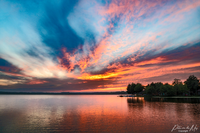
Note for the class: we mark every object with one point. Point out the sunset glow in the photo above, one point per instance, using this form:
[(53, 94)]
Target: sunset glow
[(95, 45)]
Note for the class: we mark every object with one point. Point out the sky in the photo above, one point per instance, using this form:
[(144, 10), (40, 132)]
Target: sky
[(97, 45)]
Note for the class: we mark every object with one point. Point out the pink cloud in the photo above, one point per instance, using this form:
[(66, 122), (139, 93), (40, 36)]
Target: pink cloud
[(36, 82)]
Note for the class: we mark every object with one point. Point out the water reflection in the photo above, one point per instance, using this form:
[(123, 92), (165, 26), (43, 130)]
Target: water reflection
[(176, 100), (135, 100), (182, 111), (94, 113)]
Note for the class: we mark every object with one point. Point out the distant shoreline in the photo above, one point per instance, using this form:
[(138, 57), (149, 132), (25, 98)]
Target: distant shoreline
[(61, 93)]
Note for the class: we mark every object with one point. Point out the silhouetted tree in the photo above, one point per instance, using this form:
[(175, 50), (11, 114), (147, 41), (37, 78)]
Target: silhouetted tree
[(150, 90), (163, 89), (177, 88), (158, 86), (167, 89), (153, 88), (129, 89), (192, 83), (138, 87), (133, 85), (176, 81), (170, 90), (180, 89)]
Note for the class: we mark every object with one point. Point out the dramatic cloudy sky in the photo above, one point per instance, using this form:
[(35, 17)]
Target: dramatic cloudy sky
[(97, 45)]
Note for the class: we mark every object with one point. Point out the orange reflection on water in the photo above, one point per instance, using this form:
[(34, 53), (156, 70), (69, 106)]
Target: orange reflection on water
[(94, 113)]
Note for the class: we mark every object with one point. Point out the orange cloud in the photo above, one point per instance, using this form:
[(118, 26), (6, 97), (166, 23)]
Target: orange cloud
[(157, 60), (96, 77), (36, 82)]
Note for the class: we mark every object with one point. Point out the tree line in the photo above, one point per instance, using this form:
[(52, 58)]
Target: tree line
[(188, 87)]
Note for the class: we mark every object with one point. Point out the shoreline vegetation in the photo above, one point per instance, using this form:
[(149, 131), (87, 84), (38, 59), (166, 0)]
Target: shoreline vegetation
[(187, 89)]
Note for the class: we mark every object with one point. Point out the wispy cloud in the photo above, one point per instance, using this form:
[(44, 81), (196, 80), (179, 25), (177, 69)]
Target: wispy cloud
[(119, 41)]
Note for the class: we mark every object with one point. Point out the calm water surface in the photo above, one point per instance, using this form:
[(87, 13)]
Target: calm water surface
[(95, 113)]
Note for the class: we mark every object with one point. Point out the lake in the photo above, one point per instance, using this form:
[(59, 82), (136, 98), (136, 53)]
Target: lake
[(96, 113)]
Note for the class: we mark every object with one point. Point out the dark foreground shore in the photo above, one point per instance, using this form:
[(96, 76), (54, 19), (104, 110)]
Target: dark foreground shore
[(175, 96)]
